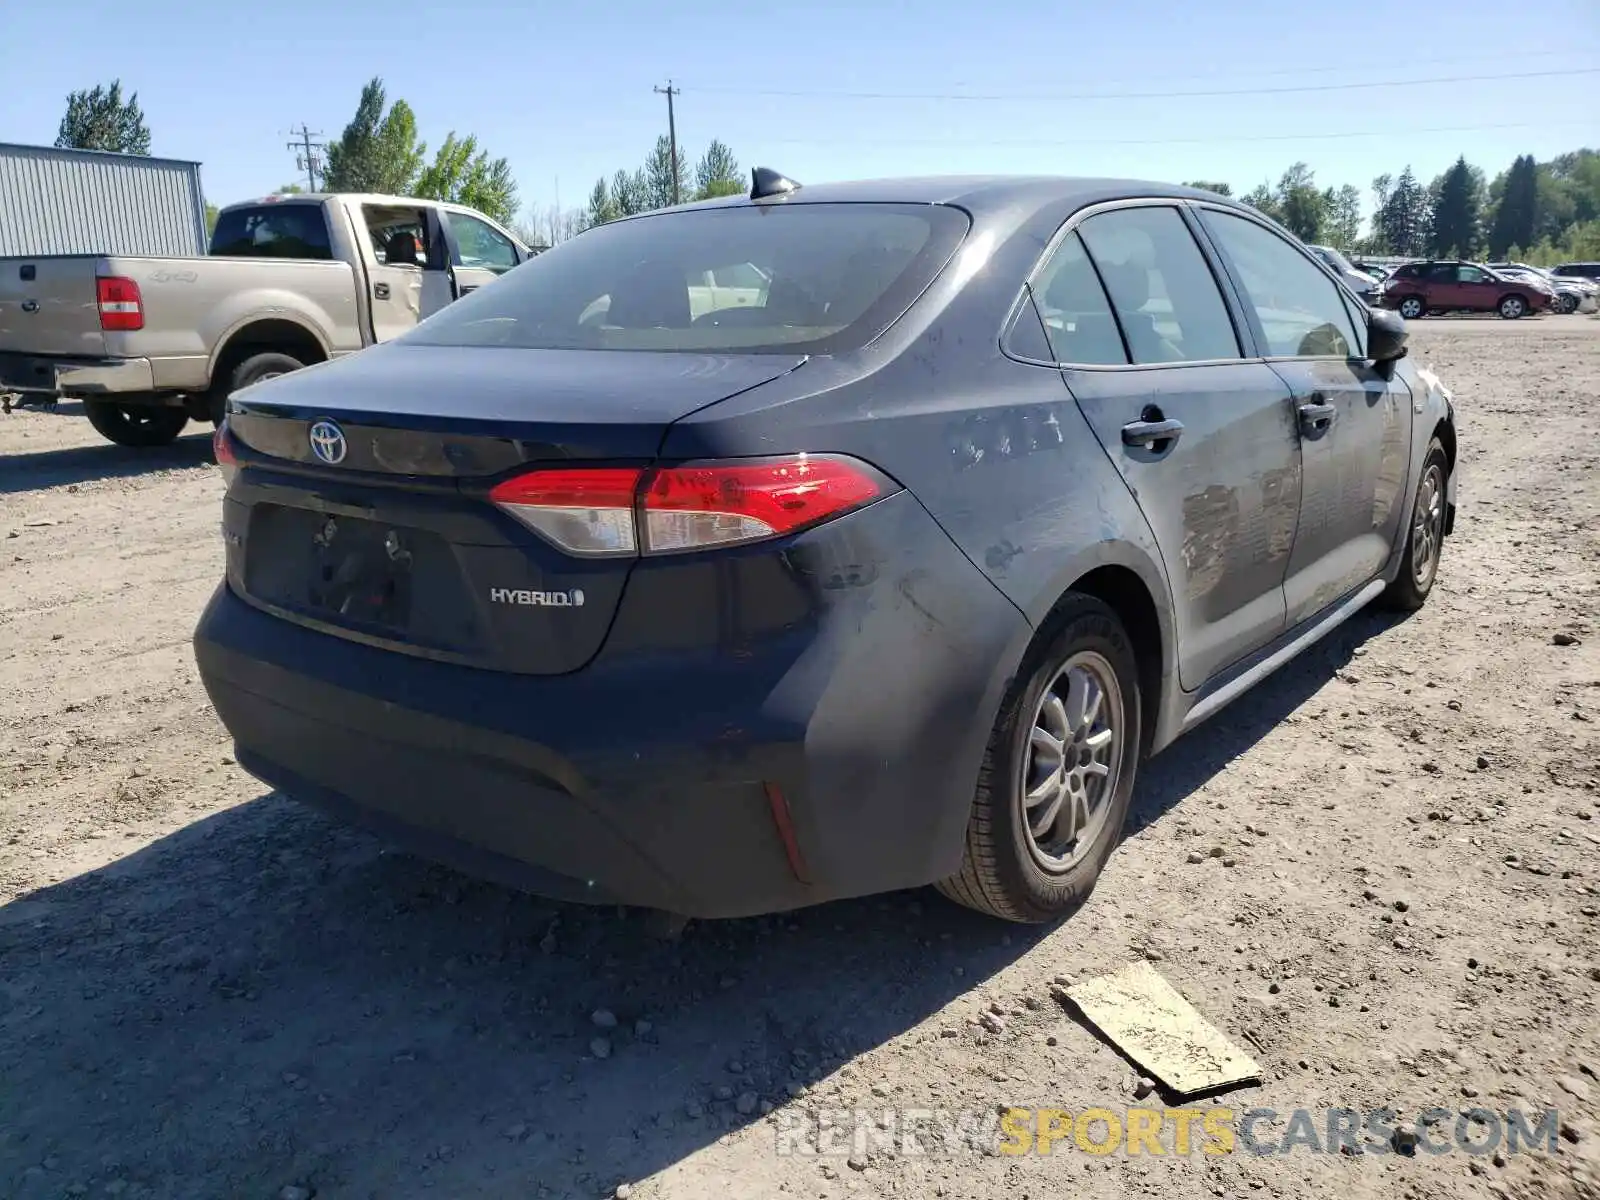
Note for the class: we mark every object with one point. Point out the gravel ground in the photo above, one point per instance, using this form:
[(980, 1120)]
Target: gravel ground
[(207, 992)]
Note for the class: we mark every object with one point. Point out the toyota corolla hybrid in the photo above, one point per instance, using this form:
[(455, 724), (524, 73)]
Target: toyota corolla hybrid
[(819, 541)]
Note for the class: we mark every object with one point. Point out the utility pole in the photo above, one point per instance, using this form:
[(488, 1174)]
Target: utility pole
[(672, 134), (308, 160)]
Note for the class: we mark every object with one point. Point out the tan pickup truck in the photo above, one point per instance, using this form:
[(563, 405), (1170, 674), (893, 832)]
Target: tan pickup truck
[(149, 343)]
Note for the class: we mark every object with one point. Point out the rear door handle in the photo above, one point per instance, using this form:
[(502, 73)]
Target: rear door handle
[(1316, 418), (1145, 433)]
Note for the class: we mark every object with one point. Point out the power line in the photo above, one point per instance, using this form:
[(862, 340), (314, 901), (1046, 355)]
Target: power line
[(1198, 141), (1299, 72), (1171, 95), (672, 135), (308, 159)]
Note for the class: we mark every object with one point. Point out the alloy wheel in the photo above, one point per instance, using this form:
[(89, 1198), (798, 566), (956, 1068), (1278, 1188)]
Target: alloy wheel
[(1072, 762), (1427, 526)]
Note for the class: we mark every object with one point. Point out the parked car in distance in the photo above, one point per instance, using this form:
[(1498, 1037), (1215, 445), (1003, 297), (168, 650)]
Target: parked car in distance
[(1581, 270), (1360, 282), (150, 343), (1570, 294), (1419, 288), (894, 572)]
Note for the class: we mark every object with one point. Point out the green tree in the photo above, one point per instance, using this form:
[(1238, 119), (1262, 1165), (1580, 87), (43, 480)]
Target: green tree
[(1457, 211), (1263, 200), (102, 120), (1517, 209), (1205, 185), (1301, 206), (1402, 221), (665, 176), (717, 173), (211, 219), (463, 174), (378, 151), (601, 207), (1341, 224), (630, 193)]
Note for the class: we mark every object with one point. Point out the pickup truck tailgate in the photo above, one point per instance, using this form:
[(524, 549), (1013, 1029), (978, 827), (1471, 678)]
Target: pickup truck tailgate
[(50, 305)]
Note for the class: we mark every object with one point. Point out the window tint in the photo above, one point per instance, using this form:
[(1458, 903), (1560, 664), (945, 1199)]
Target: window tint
[(836, 276), (1442, 272), (272, 231), (1409, 271), (1301, 310), (1163, 292), (1077, 316), (739, 275), (481, 245)]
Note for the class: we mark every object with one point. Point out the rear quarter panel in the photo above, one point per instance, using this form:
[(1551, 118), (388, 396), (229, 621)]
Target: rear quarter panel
[(193, 305)]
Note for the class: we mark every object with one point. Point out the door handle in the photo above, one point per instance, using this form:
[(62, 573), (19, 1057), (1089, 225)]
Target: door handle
[(1316, 418), (1146, 433)]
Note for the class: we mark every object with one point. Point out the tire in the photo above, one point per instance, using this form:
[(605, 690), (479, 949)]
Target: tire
[(1511, 307), (139, 425), (257, 368), (1411, 307), (1566, 303), (1006, 872), (1425, 539)]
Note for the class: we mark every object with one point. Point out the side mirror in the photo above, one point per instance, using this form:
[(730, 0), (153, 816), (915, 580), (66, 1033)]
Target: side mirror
[(1386, 335)]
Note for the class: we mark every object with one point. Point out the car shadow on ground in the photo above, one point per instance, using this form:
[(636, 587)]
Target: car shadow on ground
[(264, 999), (83, 464)]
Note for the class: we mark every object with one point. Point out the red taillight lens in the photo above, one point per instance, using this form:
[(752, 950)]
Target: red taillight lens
[(606, 511), (121, 308), (222, 448)]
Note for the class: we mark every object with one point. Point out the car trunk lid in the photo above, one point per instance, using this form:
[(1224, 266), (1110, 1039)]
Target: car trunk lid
[(388, 534)]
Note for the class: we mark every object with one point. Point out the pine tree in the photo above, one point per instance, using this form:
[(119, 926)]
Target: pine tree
[(102, 120)]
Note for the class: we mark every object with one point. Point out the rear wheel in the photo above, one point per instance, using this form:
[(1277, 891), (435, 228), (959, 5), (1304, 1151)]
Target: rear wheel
[(139, 425), (1425, 542), (1412, 307), (258, 368), (1566, 303), (1058, 774), (1512, 307)]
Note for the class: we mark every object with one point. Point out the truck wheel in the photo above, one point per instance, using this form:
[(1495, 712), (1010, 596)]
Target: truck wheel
[(140, 425), (259, 367)]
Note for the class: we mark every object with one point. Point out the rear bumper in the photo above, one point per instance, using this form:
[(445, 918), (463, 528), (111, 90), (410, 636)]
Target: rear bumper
[(833, 757), (40, 375)]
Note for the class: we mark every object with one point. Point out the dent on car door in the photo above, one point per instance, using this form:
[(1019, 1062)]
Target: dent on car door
[(1202, 437), (1354, 423)]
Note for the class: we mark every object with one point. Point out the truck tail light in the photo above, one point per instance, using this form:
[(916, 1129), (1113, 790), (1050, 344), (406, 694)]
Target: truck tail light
[(222, 449), (596, 511), (121, 307)]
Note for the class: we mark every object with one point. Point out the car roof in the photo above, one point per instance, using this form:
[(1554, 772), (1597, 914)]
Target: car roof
[(979, 194)]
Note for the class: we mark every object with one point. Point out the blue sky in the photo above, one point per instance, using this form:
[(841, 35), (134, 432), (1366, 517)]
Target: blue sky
[(827, 90)]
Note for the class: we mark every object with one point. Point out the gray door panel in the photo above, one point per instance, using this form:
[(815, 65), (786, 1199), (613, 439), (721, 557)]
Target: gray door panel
[(1222, 498)]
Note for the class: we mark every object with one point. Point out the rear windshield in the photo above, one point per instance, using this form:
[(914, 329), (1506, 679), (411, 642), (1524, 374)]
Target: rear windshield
[(815, 278), (273, 231)]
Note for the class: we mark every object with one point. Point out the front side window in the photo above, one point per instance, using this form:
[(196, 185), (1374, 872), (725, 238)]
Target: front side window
[(481, 245), (831, 277), (1300, 310), (1465, 274), (1166, 299)]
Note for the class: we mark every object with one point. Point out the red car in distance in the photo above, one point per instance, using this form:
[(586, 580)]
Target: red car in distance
[(1418, 288)]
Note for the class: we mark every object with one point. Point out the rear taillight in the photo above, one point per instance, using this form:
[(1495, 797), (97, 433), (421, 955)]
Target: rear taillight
[(618, 510), (222, 448), (121, 308)]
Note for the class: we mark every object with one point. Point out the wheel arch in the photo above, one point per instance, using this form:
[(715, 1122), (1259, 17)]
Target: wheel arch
[(261, 334)]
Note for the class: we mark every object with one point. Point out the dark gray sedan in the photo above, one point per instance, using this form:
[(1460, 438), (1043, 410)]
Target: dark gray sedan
[(817, 542)]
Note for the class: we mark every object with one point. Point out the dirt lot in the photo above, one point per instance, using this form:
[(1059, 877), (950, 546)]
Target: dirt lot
[(207, 992)]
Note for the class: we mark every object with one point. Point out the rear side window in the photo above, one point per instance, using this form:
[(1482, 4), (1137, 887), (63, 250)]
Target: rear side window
[(1077, 316), (1300, 310), (1165, 296), (273, 231), (814, 278)]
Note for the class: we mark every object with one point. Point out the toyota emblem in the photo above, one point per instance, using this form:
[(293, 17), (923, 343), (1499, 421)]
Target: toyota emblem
[(327, 443)]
